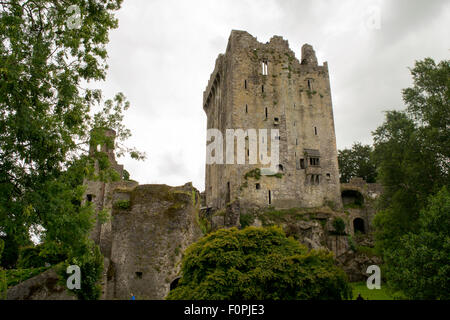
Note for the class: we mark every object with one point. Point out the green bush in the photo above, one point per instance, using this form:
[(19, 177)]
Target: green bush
[(38, 256), (246, 219), (339, 226), (2, 246), (258, 263), (91, 267)]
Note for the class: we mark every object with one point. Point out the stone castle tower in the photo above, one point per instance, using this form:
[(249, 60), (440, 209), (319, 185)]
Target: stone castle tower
[(264, 86)]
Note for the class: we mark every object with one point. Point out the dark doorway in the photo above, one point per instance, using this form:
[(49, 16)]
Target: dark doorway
[(174, 283), (352, 198), (358, 226)]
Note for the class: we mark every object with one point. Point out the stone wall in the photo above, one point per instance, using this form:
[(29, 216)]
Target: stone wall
[(148, 239)]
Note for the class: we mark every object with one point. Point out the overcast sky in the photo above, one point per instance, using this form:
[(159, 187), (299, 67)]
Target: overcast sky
[(163, 53)]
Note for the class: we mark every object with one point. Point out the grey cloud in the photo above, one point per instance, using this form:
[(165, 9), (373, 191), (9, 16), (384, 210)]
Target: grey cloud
[(163, 53)]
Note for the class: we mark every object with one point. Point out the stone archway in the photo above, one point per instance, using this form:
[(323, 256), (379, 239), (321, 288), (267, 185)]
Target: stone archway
[(359, 225)]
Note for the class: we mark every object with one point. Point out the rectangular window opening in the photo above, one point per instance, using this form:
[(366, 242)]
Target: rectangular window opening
[(246, 108), (270, 197), (245, 84), (258, 186), (315, 131), (314, 161)]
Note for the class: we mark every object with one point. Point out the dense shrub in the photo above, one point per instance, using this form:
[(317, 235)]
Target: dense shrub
[(258, 263)]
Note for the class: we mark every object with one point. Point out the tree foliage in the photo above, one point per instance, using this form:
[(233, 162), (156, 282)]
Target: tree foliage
[(357, 162), (420, 265), (46, 120), (413, 158), (257, 263)]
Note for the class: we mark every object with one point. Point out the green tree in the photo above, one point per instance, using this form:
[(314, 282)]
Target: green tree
[(420, 265), (47, 54), (411, 152), (357, 162), (257, 263)]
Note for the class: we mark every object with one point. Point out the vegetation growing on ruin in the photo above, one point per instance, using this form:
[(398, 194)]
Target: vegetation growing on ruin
[(246, 219), (122, 204), (255, 174), (259, 264), (339, 226)]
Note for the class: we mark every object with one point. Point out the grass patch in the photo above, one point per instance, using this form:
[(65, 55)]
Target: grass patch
[(367, 294)]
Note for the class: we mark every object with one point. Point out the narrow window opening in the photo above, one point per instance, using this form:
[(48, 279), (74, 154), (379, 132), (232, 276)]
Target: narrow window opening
[(309, 84), (245, 84), (266, 112), (262, 88), (280, 168), (328, 176), (139, 274), (89, 197), (317, 179), (302, 163), (270, 197), (264, 68), (246, 108), (296, 141), (315, 131), (258, 186)]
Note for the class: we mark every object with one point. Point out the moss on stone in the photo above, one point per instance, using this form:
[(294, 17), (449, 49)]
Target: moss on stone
[(255, 174)]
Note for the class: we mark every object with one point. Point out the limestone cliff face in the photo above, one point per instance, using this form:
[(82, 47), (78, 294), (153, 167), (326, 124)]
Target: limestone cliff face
[(152, 225)]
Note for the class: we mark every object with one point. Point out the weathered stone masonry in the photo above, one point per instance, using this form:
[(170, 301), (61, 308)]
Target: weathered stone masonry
[(263, 86)]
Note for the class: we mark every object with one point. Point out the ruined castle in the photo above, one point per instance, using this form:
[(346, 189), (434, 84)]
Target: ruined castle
[(253, 86), (264, 86)]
